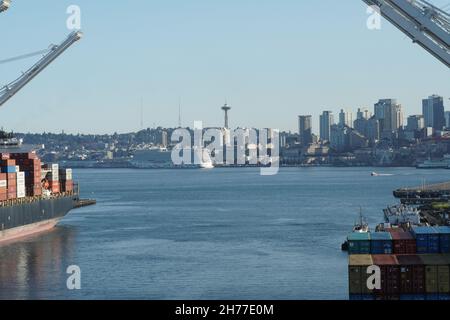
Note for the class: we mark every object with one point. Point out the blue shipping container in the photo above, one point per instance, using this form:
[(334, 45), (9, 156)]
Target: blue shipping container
[(412, 297), (381, 243), (9, 169), (358, 243), (444, 296), (427, 240), (444, 239), (355, 297), (432, 296)]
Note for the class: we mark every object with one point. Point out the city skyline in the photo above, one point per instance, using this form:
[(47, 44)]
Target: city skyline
[(269, 72)]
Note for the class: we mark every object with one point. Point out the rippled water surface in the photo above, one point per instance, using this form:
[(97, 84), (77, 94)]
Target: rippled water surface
[(195, 234)]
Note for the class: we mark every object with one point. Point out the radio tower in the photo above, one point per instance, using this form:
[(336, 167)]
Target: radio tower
[(226, 108)]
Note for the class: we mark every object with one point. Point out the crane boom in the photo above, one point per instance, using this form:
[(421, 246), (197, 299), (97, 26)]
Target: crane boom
[(4, 5), (11, 89), (424, 23)]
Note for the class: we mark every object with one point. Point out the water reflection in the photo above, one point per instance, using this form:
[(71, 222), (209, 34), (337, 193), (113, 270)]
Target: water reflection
[(35, 268)]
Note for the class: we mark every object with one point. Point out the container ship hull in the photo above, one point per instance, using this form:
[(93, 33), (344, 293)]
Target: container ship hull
[(34, 216)]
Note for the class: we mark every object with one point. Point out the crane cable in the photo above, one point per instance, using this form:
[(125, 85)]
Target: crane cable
[(25, 56)]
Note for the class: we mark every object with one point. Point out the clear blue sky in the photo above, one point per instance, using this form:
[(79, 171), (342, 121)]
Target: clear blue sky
[(272, 60)]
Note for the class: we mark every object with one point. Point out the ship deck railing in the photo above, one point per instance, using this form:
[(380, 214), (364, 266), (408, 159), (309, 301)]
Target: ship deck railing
[(26, 200)]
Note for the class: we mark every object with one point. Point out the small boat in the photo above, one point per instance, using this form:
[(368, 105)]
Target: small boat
[(376, 174), (206, 160), (360, 226)]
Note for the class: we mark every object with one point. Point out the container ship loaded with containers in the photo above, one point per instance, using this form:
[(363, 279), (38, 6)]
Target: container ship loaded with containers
[(411, 248), (33, 195)]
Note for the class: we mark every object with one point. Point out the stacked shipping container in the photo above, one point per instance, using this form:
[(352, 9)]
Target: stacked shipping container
[(414, 265), (30, 164), (53, 177), (66, 182), (403, 277), (21, 176), (421, 240)]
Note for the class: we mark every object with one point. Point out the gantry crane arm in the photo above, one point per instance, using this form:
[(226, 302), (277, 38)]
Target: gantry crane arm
[(8, 91), (424, 23), (4, 5)]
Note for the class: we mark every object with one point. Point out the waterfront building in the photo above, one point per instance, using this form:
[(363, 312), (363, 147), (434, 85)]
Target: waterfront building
[(305, 130), (390, 114), (433, 112), (415, 123), (345, 118), (326, 121)]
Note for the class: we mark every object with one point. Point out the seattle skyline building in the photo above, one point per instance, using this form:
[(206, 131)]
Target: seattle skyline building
[(345, 118), (433, 112), (305, 130), (326, 121)]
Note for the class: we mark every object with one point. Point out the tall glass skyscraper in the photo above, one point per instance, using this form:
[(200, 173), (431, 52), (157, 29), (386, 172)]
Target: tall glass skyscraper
[(433, 112)]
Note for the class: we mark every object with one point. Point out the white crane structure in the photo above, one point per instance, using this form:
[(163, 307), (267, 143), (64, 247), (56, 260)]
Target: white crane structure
[(420, 20), (4, 5), (8, 91)]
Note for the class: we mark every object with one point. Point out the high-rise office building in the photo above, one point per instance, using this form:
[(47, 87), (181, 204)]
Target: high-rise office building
[(433, 112), (345, 118), (390, 114), (326, 121), (305, 130), (363, 113), (447, 119), (415, 123)]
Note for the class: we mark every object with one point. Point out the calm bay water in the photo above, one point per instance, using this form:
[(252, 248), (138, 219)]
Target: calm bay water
[(195, 234)]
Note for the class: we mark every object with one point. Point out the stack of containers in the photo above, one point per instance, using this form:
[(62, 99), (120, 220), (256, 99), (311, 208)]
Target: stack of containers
[(357, 272), (381, 243), (30, 164), (427, 240), (390, 277), (403, 242), (412, 277), (8, 167), (53, 177), (444, 239), (3, 187), (20, 178), (359, 243), (66, 180), (437, 279)]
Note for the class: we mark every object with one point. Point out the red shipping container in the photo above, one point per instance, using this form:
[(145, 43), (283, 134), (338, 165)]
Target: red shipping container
[(66, 186), (403, 242), (390, 274), (412, 274), (12, 196), (3, 196)]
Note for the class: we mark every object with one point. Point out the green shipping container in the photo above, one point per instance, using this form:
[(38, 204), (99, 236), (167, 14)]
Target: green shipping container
[(358, 243), (437, 273), (357, 273)]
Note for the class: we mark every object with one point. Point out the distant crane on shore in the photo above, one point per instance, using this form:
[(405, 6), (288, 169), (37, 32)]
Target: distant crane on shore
[(8, 91), (424, 23)]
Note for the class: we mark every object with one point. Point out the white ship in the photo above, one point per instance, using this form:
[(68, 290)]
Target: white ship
[(401, 215), (443, 163)]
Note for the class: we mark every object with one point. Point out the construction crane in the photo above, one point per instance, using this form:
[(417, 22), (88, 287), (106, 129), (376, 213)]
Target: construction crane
[(4, 5), (8, 91), (421, 21)]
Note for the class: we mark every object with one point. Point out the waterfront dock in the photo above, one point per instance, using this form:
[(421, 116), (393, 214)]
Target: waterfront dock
[(425, 194)]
